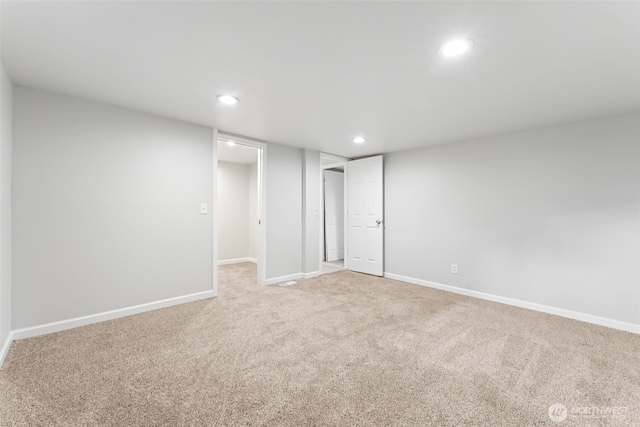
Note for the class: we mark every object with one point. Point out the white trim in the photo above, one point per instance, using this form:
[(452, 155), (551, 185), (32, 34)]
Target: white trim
[(331, 158), (62, 325), (286, 278), (237, 261), (334, 165), (214, 214), (583, 317), (311, 275), (5, 348)]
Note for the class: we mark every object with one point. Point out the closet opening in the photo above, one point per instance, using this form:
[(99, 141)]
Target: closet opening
[(332, 224)]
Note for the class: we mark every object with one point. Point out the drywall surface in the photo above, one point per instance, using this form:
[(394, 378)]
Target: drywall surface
[(106, 208), (233, 210), (253, 211), (550, 216), (284, 211), (311, 211), (334, 215), (6, 141)]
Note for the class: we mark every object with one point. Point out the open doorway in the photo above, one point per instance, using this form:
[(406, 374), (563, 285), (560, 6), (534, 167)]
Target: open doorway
[(333, 255), (333, 195), (239, 209), (362, 225)]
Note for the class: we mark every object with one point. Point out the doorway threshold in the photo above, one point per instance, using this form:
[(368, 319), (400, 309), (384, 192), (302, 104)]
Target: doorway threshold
[(332, 267)]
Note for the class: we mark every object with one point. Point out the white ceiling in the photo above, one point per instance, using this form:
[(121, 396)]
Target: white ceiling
[(315, 74), (237, 153)]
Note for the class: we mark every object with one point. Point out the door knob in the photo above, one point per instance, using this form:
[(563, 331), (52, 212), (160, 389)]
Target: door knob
[(378, 221)]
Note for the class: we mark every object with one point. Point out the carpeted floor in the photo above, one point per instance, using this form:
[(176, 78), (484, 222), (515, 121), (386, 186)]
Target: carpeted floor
[(343, 349)]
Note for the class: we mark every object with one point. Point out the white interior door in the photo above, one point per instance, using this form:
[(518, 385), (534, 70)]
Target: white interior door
[(334, 214), (365, 221)]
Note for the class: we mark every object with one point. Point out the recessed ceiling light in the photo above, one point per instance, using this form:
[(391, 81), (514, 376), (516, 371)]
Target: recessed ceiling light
[(359, 139), (228, 99), (456, 47), (229, 142)]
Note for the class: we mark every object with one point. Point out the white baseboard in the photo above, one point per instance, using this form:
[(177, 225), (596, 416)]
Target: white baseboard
[(62, 325), (282, 279), (236, 261), (5, 348), (589, 318), (310, 275)]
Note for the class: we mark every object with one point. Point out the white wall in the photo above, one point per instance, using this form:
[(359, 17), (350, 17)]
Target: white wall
[(550, 216), (106, 208), (253, 211), (234, 240), (6, 138), (311, 213), (284, 211), (333, 215)]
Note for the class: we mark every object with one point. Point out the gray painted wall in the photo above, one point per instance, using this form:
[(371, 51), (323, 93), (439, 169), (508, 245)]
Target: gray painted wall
[(106, 208), (253, 211), (311, 213), (106, 214), (284, 210), (6, 142), (550, 216), (234, 211)]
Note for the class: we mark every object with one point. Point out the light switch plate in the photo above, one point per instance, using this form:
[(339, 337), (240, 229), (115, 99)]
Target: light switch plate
[(203, 208)]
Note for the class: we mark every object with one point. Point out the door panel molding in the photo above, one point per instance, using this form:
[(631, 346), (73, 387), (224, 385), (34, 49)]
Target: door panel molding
[(365, 215)]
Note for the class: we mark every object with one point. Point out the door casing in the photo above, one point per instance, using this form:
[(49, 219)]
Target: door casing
[(262, 206)]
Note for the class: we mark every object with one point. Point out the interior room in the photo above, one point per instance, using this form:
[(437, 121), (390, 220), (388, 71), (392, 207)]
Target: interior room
[(237, 203), (333, 235), (320, 213)]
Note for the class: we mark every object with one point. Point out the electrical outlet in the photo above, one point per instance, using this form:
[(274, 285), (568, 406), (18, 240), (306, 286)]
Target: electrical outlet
[(454, 268)]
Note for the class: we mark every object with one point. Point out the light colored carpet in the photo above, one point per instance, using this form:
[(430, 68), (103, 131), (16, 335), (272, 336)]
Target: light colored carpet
[(342, 349)]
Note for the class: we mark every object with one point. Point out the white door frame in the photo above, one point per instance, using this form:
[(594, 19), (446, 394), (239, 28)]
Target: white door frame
[(262, 206), (328, 161)]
